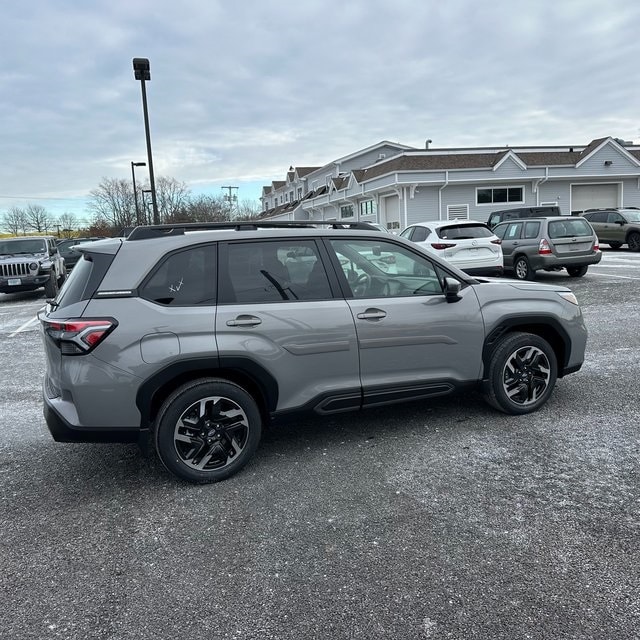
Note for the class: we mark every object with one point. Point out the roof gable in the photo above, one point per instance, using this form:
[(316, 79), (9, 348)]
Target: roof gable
[(596, 146), (509, 157)]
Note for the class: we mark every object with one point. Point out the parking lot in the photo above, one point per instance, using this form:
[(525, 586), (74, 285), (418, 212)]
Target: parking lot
[(441, 519)]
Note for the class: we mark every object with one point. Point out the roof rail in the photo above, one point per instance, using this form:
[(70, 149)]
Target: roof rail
[(179, 229)]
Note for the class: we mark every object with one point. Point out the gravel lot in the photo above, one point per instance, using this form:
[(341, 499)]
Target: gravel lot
[(431, 520)]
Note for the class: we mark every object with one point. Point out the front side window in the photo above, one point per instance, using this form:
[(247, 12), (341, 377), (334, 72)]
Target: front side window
[(513, 231), (184, 278), (273, 271), (493, 195), (381, 269)]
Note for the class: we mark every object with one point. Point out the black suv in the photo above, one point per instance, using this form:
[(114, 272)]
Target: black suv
[(522, 212)]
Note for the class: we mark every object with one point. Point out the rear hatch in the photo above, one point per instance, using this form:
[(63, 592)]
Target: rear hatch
[(467, 243), (571, 237)]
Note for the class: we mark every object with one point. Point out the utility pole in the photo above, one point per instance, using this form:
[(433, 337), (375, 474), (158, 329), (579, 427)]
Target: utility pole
[(231, 199)]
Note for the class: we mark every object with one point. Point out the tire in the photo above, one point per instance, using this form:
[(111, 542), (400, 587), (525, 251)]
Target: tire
[(577, 272), (51, 286), (207, 430), (522, 269), (522, 373), (615, 245), (633, 240)]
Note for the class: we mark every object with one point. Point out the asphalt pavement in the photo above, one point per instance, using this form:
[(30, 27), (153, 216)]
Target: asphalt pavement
[(430, 520)]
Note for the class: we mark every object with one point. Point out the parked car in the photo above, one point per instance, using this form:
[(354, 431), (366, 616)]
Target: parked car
[(30, 262), (467, 244), (616, 227), (561, 242), (68, 252), (522, 212), (197, 336)]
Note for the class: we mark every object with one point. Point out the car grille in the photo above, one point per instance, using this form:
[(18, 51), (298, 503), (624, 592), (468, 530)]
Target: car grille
[(16, 269)]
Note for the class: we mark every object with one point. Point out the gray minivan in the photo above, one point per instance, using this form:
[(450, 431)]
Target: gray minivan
[(522, 212)]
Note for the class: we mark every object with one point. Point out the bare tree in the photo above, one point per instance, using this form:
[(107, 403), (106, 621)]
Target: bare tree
[(248, 209), (14, 221), (205, 208), (38, 218), (113, 203), (67, 222), (172, 196)]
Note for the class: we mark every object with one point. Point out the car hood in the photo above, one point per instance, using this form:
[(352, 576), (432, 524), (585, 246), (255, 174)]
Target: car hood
[(21, 257), (522, 286)]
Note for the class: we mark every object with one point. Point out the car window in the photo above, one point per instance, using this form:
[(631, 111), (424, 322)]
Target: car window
[(569, 228), (531, 230), (598, 216), (420, 234), (614, 217), (273, 271), (632, 216), (186, 277), (407, 233), (384, 269), (464, 231), (513, 231)]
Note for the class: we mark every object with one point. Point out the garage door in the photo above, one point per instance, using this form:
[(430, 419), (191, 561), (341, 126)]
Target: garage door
[(594, 196)]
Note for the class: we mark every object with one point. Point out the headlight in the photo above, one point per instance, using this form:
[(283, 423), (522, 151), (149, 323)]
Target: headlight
[(33, 266), (569, 297)]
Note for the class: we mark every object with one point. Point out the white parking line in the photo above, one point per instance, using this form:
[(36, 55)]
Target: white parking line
[(612, 275), (24, 326)]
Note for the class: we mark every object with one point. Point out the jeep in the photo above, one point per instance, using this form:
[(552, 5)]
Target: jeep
[(196, 336), (29, 263)]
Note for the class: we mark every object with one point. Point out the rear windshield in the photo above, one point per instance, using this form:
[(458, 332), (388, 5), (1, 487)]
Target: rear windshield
[(463, 231), (83, 281), (569, 228)]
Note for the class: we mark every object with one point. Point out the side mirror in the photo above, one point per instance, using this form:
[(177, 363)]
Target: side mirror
[(452, 289)]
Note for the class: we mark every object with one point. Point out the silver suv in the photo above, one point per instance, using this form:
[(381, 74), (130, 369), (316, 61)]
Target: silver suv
[(552, 244), (198, 336)]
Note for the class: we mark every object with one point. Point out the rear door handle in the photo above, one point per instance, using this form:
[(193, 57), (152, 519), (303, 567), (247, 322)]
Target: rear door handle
[(372, 314), (244, 321)]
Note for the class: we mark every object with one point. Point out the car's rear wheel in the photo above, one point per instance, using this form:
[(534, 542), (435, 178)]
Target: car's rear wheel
[(521, 374), (615, 245), (207, 430), (577, 272), (522, 269), (634, 241)]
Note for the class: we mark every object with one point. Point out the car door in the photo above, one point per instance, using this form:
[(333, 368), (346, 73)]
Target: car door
[(279, 316), (412, 341), (598, 220), (616, 227), (509, 233)]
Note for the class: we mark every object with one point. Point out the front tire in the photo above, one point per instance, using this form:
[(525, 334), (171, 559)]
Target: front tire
[(207, 430), (577, 272), (522, 269), (51, 286), (522, 373)]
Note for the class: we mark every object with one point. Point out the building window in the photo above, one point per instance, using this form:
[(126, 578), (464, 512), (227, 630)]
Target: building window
[(346, 211), (500, 195), (299, 193), (368, 208)]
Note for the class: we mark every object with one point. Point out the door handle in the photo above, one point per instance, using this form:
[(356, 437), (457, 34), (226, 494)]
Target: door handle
[(244, 321), (372, 314)]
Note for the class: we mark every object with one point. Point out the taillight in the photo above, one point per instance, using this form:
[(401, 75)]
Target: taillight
[(496, 241), (442, 245), (544, 247), (77, 337), (596, 245)]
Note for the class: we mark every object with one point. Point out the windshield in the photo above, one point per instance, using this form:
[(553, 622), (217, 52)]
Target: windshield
[(632, 215), (26, 245)]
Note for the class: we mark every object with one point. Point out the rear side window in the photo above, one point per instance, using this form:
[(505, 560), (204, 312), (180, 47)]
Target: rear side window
[(420, 234), (85, 278), (461, 232), (569, 228), (184, 278), (531, 230), (600, 216)]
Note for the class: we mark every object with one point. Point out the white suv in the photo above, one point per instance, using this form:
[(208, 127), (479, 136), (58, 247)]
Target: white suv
[(467, 244)]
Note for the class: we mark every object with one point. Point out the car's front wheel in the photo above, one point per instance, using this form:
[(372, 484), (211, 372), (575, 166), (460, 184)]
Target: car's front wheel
[(521, 374), (207, 430), (522, 269), (577, 272)]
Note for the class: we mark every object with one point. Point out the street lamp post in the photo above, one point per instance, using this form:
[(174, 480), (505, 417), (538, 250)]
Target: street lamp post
[(135, 191), (142, 72)]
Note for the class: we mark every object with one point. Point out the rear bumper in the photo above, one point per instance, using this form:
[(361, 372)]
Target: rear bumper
[(550, 262), (63, 431)]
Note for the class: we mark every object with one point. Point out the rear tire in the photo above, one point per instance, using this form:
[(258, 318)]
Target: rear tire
[(522, 373), (522, 269), (634, 241), (577, 272), (207, 430)]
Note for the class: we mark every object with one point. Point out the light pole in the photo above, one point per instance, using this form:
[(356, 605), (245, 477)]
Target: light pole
[(142, 72), (135, 191), (145, 204)]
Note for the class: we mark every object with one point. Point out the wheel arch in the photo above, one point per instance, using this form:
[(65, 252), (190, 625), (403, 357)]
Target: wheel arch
[(547, 328), (242, 371)]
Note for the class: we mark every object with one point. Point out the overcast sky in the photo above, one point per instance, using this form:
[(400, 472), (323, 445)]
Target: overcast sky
[(242, 89)]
